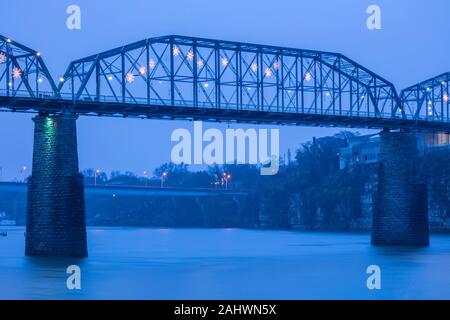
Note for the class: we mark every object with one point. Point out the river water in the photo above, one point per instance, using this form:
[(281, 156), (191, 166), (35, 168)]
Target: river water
[(139, 263)]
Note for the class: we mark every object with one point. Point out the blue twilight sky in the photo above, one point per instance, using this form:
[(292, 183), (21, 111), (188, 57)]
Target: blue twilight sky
[(413, 45)]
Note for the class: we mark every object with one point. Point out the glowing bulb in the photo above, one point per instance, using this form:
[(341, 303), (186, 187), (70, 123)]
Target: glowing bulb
[(430, 103), (16, 72), (40, 80), (276, 65), (142, 71), (200, 63), (443, 83), (10, 84), (206, 85), (8, 40), (110, 78), (38, 54), (61, 79), (327, 94), (130, 77), (428, 89), (268, 72), (224, 61), (2, 57), (445, 97), (254, 67), (151, 63), (176, 51), (190, 55), (308, 76)]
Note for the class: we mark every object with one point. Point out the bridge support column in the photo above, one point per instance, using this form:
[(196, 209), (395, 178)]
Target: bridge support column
[(400, 208), (56, 223)]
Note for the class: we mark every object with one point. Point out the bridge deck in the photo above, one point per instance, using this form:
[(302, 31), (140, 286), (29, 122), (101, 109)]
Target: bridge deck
[(133, 191), (87, 108)]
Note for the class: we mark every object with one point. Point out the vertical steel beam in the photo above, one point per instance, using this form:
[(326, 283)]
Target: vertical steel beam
[(172, 74)]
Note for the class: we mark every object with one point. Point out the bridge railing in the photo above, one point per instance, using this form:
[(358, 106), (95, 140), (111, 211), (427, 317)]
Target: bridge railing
[(230, 106)]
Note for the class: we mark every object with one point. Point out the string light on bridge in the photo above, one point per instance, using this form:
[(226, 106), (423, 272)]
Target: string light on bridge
[(16, 72), (268, 72), (151, 64), (276, 65), (224, 61), (190, 55), (254, 67), (176, 51), (445, 97), (308, 76), (200, 63), (142, 71), (130, 77)]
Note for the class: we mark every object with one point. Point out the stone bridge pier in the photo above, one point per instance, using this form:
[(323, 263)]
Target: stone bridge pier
[(56, 223), (400, 214)]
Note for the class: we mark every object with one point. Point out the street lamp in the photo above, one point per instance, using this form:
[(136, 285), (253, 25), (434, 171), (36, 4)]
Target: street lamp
[(146, 178), (95, 176), (226, 177), (163, 176), (22, 172)]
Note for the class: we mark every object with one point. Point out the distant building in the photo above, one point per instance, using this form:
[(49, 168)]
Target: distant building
[(366, 149), (6, 222), (360, 150)]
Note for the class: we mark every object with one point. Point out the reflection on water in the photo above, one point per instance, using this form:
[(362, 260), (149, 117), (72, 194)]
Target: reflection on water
[(137, 263)]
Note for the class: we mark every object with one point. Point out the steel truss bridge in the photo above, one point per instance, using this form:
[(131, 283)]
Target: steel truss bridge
[(178, 77)]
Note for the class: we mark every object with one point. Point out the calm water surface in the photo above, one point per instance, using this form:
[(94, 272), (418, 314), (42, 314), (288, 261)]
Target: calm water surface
[(135, 263)]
